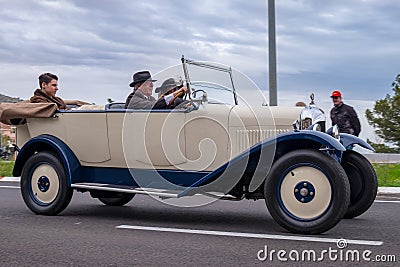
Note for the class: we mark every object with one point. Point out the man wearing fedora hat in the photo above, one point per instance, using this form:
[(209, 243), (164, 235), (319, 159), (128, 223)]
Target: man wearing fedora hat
[(141, 97), (344, 116), (170, 86)]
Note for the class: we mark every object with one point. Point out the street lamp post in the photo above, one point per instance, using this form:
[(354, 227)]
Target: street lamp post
[(273, 98)]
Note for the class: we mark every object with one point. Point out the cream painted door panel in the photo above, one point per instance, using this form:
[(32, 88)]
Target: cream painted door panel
[(84, 133), (154, 139), (207, 138)]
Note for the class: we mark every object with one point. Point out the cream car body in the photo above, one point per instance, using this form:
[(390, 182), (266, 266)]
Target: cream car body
[(214, 149)]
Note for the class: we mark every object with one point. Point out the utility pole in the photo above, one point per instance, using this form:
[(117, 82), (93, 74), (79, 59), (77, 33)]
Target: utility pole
[(273, 95)]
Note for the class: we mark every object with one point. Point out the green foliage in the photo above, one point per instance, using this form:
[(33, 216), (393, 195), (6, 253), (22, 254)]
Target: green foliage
[(385, 118), (4, 140), (382, 148), (388, 174), (6, 168)]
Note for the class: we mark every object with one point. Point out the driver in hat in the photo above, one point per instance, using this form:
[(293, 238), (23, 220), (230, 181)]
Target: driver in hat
[(141, 97), (170, 86)]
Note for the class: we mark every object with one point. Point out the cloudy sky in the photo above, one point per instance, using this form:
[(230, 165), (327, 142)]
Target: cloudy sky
[(95, 46)]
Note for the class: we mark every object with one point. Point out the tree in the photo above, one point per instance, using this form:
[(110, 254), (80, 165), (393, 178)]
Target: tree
[(385, 118)]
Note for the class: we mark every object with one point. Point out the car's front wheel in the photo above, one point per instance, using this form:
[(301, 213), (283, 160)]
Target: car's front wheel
[(44, 185), (307, 191)]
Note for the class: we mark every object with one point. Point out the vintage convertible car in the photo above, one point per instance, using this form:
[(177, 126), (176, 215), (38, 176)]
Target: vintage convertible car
[(218, 147)]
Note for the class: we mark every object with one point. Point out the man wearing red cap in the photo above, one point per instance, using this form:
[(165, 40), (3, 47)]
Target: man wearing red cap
[(344, 116)]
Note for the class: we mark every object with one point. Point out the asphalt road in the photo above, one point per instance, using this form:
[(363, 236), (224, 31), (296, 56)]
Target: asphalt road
[(149, 233)]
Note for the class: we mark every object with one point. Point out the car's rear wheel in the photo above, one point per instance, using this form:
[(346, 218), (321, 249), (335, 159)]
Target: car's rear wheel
[(307, 191), (363, 183), (44, 185), (120, 199)]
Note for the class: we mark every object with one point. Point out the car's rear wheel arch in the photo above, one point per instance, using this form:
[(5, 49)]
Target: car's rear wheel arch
[(29, 152), (51, 145)]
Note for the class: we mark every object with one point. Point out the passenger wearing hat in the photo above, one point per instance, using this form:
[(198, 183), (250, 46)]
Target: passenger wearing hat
[(344, 116), (141, 97), (170, 86)]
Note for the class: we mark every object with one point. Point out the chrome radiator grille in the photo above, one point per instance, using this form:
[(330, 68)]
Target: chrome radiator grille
[(247, 138)]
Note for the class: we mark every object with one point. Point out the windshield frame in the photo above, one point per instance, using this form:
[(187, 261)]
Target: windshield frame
[(208, 66)]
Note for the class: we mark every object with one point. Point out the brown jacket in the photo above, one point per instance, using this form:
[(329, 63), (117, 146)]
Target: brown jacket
[(40, 97)]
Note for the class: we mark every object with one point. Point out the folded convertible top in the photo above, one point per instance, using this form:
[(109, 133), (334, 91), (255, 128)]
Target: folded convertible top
[(16, 113)]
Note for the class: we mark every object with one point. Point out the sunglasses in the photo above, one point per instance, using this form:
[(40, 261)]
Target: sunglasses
[(335, 97)]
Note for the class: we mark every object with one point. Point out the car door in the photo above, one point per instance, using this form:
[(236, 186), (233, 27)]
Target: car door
[(152, 139)]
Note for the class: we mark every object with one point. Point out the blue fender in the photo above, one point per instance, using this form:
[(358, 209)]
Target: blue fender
[(263, 150), (307, 136), (319, 137), (46, 142), (349, 140)]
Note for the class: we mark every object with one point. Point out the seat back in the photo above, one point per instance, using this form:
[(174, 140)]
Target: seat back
[(115, 105)]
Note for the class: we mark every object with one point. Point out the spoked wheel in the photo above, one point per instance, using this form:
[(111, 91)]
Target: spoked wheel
[(307, 191), (120, 199), (363, 183), (44, 185)]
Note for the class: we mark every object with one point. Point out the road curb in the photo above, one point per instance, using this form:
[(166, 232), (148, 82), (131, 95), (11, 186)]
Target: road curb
[(388, 190), (381, 190), (9, 179)]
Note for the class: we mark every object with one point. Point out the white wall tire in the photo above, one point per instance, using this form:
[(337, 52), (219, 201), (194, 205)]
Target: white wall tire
[(307, 191), (316, 189), (44, 185)]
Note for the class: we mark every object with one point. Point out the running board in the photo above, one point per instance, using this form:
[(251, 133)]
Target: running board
[(146, 191), (125, 189)]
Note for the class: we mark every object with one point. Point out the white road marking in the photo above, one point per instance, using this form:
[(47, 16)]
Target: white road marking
[(10, 186), (250, 235)]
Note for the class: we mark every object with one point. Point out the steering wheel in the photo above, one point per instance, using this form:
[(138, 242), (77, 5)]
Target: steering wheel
[(180, 93), (187, 106)]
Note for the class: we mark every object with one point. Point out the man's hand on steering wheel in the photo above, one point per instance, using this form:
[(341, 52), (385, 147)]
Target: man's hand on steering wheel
[(184, 90)]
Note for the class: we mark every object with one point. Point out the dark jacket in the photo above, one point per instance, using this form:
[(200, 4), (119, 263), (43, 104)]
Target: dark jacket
[(345, 117), (137, 100), (40, 97)]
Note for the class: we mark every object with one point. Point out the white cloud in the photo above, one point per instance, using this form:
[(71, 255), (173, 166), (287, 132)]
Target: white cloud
[(95, 46)]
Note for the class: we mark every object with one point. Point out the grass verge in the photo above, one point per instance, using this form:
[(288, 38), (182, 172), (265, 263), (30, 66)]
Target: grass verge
[(6, 168), (388, 174)]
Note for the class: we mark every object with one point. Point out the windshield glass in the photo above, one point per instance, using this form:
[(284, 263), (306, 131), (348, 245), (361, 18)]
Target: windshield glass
[(216, 93), (222, 84), (214, 79)]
